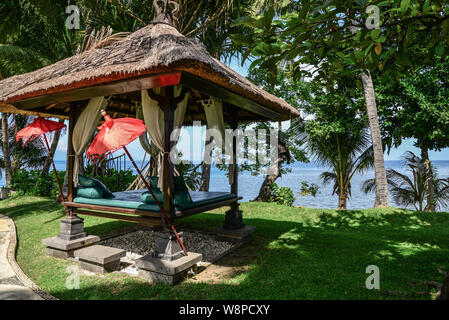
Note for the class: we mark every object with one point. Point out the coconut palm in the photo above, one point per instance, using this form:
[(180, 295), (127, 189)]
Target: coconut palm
[(32, 155), (346, 154), (409, 188)]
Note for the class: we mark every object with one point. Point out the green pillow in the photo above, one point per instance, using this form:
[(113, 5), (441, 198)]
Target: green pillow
[(153, 183), (182, 195), (85, 181), (147, 198), (89, 192)]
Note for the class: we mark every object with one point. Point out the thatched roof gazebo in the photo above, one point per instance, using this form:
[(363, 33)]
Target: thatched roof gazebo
[(154, 66)]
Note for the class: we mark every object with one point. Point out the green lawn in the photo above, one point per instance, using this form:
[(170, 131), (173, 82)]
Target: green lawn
[(296, 254)]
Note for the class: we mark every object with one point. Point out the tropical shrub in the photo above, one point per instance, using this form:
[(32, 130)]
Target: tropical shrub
[(282, 195), (308, 189), (116, 180), (409, 189), (36, 183)]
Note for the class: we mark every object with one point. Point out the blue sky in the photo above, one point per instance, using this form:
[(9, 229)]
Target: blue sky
[(196, 150)]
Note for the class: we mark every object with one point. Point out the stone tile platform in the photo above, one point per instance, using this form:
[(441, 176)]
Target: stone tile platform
[(63, 249), (237, 235), (99, 259)]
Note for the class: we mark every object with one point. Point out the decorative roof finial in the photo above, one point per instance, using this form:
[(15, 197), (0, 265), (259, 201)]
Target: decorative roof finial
[(165, 12)]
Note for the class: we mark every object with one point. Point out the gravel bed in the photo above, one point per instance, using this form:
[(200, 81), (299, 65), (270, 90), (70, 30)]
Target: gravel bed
[(140, 243)]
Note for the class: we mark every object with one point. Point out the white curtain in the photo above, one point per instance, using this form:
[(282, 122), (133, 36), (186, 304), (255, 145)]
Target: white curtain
[(85, 129), (214, 117), (154, 121)]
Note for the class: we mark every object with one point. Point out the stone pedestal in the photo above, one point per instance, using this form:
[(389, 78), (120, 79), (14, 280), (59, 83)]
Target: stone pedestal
[(70, 238), (233, 219), (167, 263), (71, 229), (234, 230)]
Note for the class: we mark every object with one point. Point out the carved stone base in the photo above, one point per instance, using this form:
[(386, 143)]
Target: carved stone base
[(71, 229), (156, 270), (70, 238), (167, 263), (233, 219)]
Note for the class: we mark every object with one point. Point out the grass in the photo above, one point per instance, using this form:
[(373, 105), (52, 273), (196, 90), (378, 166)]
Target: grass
[(297, 253)]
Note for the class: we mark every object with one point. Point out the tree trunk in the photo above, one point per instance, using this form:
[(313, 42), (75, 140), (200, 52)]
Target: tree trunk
[(265, 189), (342, 202), (205, 167), (205, 176), (5, 149), (444, 293), (54, 145), (283, 155), (430, 190), (379, 163)]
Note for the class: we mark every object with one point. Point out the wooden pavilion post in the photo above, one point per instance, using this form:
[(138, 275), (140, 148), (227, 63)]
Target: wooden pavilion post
[(168, 181), (233, 228), (70, 154)]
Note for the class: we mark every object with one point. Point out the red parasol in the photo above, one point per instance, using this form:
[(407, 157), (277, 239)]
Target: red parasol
[(116, 134), (38, 127)]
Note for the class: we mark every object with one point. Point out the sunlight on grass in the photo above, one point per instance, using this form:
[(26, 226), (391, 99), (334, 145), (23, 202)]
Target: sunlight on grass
[(407, 249)]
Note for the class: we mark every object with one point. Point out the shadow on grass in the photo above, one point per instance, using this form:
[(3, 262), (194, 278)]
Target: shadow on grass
[(321, 256)]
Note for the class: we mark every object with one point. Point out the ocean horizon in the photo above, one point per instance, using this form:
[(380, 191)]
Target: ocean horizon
[(310, 172)]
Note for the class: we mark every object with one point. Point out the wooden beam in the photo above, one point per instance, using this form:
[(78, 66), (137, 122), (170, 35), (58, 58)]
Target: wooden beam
[(168, 105), (7, 108), (140, 220), (108, 89), (70, 153), (235, 99), (154, 214), (235, 167), (206, 207)]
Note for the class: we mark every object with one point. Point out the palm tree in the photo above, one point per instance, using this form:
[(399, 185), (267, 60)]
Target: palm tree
[(381, 199), (31, 156), (410, 188), (346, 154), (32, 34)]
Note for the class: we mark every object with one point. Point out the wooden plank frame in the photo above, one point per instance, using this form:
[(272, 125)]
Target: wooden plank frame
[(141, 216), (146, 221)]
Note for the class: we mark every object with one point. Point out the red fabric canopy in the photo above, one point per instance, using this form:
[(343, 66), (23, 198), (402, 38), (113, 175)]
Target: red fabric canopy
[(115, 134), (38, 127)]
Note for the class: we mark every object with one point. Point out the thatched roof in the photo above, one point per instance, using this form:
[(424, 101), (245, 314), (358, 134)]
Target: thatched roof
[(154, 49)]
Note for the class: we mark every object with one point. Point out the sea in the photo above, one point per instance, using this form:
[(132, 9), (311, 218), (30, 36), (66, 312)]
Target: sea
[(310, 172)]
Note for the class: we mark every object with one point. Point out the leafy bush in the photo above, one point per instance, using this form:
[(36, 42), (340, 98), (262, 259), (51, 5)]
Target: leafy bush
[(308, 189), (36, 183), (282, 195), (116, 180)]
